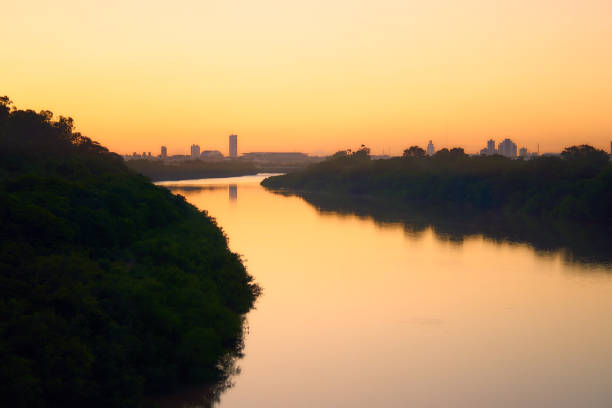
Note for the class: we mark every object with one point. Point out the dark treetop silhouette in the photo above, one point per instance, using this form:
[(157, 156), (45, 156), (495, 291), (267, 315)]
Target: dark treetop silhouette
[(576, 186), (110, 287)]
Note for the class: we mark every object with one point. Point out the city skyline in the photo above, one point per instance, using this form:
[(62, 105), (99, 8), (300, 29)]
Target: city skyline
[(508, 147), (215, 143), (316, 76)]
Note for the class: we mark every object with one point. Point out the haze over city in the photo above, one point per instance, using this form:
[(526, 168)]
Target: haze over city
[(316, 76)]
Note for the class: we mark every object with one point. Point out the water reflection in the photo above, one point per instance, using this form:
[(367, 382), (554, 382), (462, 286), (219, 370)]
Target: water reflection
[(233, 192), (370, 305), (190, 189), (575, 242), (186, 190), (206, 395)]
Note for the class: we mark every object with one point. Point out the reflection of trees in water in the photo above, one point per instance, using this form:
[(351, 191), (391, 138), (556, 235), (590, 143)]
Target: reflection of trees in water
[(213, 394), (232, 188), (189, 189), (579, 243), (208, 395)]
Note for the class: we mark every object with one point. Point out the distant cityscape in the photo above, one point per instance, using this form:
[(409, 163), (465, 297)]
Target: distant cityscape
[(506, 148), (216, 155)]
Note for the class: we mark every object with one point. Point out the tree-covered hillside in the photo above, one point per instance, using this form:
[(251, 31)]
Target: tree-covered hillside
[(576, 186), (110, 287)]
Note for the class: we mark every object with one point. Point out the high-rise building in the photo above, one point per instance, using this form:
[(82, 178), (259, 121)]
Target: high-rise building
[(507, 148), (430, 149), (233, 146), (490, 149), (164, 152), (523, 152), (195, 151), (491, 146)]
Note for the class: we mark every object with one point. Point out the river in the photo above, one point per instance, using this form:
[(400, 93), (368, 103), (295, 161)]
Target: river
[(362, 312)]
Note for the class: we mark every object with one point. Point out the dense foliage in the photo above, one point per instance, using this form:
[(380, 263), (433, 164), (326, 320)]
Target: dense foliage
[(576, 186), (110, 287), (157, 170)]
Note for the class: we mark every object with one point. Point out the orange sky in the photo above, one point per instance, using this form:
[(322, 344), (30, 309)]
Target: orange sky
[(316, 75)]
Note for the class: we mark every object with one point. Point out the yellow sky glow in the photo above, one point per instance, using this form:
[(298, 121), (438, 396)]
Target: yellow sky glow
[(315, 76)]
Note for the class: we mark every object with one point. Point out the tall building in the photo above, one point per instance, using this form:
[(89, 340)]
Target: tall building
[(523, 152), (164, 152), (430, 149), (490, 149), (195, 151), (233, 146), (491, 146), (507, 148)]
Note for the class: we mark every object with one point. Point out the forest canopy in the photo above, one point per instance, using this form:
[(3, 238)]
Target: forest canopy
[(110, 287), (575, 186)]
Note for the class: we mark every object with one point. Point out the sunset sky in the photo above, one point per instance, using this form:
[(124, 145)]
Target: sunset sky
[(315, 76)]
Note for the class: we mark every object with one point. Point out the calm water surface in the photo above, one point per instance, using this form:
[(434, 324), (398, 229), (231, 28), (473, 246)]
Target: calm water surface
[(358, 313)]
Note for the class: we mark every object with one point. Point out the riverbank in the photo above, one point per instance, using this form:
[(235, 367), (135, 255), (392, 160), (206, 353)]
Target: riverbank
[(577, 186), (112, 288), (156, 170)]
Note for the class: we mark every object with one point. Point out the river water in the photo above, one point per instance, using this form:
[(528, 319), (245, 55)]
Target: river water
[(365, 312)]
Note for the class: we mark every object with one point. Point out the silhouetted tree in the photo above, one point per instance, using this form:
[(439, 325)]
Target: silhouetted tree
[(457, 152), (5, 106), (414, 151), (582, 152), (362, 153), (585, 159), (442, 153), (341, 154)]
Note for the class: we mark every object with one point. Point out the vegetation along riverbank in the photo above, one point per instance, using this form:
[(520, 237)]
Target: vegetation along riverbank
[(111, 288), (157, 170), (576, 186)]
